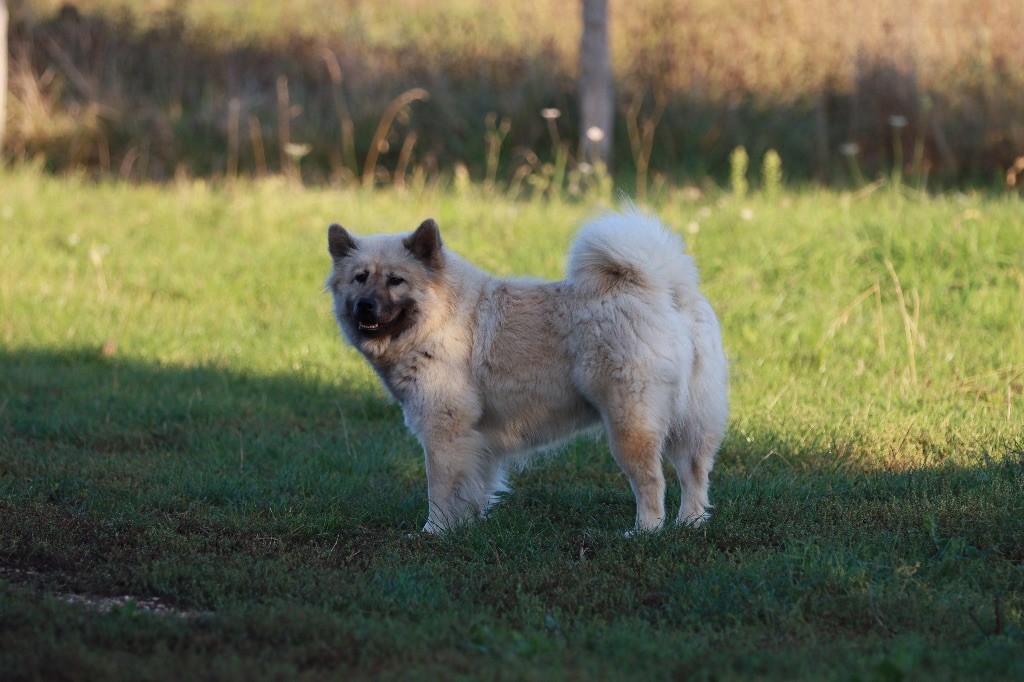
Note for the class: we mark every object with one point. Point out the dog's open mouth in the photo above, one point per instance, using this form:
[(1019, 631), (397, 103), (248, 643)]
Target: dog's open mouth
[(373, 328)]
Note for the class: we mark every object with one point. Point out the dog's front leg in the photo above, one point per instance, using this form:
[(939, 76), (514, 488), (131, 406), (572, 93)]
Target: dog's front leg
[(461, 471), (459, 485)]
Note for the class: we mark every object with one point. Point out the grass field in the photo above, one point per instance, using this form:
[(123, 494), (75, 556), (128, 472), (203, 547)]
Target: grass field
[(180, 421)]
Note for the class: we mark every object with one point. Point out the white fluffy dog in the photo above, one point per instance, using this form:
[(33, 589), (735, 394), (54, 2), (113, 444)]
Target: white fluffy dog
[(486, 369)]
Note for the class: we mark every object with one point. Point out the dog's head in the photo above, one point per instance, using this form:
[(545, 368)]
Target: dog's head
[(381, 284)]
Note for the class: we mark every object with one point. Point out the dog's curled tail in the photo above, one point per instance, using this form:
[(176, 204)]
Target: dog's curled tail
[(630, 249)]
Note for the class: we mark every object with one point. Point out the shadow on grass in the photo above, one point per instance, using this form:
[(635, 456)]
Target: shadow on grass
[(80, 397), (100, 452), (122, 468)]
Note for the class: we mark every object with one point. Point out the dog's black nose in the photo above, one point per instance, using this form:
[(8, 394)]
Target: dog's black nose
[(367, 308)]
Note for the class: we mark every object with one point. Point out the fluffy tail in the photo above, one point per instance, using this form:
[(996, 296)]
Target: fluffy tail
[(630, 249)]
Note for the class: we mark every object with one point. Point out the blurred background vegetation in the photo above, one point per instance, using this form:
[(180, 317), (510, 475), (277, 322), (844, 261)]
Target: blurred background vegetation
[(396, 91)]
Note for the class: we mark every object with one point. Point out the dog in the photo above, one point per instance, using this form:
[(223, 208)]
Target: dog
[(488, 369)]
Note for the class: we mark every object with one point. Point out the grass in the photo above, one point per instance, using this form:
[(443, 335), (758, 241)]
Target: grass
[(180, 420), (147, 89)]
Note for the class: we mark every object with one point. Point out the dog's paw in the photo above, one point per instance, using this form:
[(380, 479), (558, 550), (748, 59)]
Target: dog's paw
[(433, 528), (695, 520), (641, 531)]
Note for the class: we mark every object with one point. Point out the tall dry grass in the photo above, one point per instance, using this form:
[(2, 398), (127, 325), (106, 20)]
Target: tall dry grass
[(149, 88)]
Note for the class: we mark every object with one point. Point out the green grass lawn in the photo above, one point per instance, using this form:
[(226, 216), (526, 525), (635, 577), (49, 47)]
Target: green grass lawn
[(179, 419)]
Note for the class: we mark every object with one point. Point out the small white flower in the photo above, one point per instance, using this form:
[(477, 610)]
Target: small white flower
[(898, 121), (595, 134), (693, 227), (747, 214), (550, 113), (585, 168), (849, 149), (297, 151)]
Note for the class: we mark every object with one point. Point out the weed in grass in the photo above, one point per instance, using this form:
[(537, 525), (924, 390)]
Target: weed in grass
[(771, 174), (738, 162)]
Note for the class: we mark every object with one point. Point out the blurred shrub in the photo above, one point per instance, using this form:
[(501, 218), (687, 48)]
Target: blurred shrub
[(125, 87)]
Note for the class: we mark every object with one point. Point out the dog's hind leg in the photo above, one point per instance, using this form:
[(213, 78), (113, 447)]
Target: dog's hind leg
[(691, 450), (701, 412), (636, 445), (699, 426)]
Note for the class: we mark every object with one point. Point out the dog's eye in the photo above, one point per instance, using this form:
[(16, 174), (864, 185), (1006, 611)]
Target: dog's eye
[(395, 280), (361, 277)]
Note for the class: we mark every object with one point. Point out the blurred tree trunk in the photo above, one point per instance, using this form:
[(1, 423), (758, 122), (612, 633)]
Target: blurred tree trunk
[(3, 73), (596, 110)]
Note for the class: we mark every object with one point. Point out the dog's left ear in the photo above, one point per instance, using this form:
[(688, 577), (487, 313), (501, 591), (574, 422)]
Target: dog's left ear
[(425, 243)]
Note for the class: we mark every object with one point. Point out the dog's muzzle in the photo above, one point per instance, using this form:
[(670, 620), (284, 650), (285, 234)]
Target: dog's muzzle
[(366, 311)]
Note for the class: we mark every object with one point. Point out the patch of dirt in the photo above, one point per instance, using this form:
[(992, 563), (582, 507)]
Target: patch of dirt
[(51, 585)]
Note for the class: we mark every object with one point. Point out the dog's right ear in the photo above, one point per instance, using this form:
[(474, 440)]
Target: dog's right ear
[(339, 242)]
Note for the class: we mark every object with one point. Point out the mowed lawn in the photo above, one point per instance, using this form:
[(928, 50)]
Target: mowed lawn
[(180, 422)]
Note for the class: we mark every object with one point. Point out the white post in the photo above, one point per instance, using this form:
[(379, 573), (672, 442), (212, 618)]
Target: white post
[(3, 73), (596, 109)]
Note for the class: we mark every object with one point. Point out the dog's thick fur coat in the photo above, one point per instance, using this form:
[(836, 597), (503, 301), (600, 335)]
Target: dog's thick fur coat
[(486, 369)]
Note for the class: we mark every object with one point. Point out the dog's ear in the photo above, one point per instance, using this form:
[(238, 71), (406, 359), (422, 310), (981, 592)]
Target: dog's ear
[(425, 243), (339, 242)]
